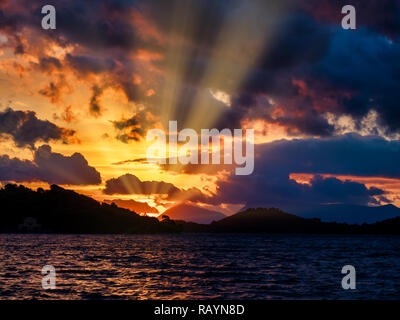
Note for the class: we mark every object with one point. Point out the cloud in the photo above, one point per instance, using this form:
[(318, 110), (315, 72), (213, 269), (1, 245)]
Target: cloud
[(348, 68), (48, 64), (308, 67), (130, 184), (349, 154), (54, 89), (94, 106), (26, 129), (50, 167), (67, 115), (292, 196), (106, 37), (139, 160), (271, 91), (128, 129), (98, 25), (313, 68), (270, 184), (13, 169), (85, 65), (133, 128)]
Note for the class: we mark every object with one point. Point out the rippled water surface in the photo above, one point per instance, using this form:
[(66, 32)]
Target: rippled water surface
[(199, 266)]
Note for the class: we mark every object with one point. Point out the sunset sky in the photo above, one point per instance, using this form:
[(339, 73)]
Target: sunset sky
[(76, 102)]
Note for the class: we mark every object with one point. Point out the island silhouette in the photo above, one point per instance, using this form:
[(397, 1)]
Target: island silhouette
[(64, 211)]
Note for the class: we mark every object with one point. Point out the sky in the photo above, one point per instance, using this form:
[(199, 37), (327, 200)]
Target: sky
[(77, 102)]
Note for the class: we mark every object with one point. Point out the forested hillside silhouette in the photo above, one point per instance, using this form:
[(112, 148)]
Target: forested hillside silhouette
[(63, 211)]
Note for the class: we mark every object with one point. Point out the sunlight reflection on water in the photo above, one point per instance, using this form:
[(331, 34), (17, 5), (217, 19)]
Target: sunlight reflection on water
[(198, 266)]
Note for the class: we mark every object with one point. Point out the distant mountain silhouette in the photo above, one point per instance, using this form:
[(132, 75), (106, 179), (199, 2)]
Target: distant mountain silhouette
[(190, 213), (63, 211), (350, 213), (262, 220), (276, 221), (343, 213), (136, 206)]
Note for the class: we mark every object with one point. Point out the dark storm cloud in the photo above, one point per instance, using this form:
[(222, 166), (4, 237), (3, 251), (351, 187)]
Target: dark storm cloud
[(89, 64), (7, 22), (59, 169), (353, 155), (368, 66), (300, 41), (130, 184), (26, 129), (343, 72), (328, 190), (13, 169), (357, 71), (50, 167), (106, 32), (299, 44), (95, 24), (280, 191), (350, 154)]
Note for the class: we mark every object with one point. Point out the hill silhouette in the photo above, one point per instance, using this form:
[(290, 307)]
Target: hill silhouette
[(389, 226), (63, 211), (350, 213), (272, 220), (190, 213)]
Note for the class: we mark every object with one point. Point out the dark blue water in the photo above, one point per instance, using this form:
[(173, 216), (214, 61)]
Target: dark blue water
[(199, 266)]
